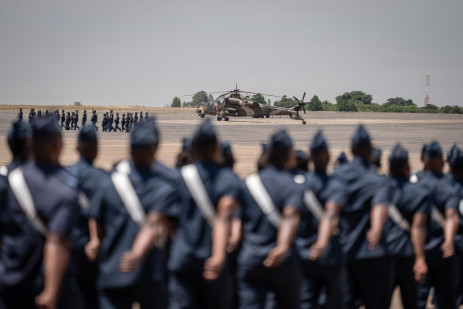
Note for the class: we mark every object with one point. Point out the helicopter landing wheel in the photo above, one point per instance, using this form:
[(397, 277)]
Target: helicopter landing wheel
[(202, 115), (219, 118), (303, 122), (226, 118), (267, 116)]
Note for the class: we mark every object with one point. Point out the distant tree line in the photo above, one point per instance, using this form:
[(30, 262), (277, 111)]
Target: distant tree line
[(354, 101)]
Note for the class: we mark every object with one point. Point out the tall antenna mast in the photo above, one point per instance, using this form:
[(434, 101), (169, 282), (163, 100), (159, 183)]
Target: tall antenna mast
[(426, 87)]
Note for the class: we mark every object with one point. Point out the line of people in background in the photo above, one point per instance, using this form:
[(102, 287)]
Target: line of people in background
[(200, 237), (70, 120)]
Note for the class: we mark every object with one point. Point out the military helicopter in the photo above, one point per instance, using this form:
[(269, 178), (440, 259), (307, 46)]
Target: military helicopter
[(236, 103)]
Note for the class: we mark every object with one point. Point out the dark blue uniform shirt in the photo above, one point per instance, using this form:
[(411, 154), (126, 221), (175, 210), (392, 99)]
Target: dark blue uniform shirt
[(89, 178), (318, 183), (193, 243), (54, 193), (260, 235), (409, 199), (459, 236), (354, 187), (442, 196), (108, 209)]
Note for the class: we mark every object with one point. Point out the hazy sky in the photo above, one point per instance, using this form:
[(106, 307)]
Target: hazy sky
[(147, 52)]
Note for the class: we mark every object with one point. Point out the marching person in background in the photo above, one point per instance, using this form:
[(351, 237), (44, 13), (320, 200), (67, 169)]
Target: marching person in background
[(405, 229), (84, 118), (324, 273), (141, 116), (131, 209), (116, 122), (67, 121), (20, 115), (94, 119), (352, 203), (270, 213), (76, 121), (135, 119), (110, 121), (32, 116), (39, 114), (73, 120), (200, 274), (123, 123), (443, 264), (63, 118), (43, 208), (84, 247)]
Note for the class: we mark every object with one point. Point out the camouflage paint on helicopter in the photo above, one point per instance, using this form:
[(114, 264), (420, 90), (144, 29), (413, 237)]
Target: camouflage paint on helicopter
[(236, 104)]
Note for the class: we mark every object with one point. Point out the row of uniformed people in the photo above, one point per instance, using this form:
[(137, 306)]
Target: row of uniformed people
[(144, 217)]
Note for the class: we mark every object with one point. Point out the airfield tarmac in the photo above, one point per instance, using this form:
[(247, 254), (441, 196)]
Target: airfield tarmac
[(247, 134)]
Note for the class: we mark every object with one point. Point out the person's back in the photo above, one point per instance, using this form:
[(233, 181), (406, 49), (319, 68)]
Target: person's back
[(130, 272), (266, 262), (44, 237), (442, 226), (199, 274)]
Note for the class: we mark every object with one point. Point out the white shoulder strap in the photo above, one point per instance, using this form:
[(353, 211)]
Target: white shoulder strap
[(123, 167), (397, 218), (128, 196), (196, 187), (263, 199), (461, 206), (437, 216), (3, 170), (23, 196), (414, 178)]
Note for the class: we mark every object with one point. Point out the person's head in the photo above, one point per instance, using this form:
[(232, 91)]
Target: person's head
[(361, 144), (117, 114), (184, 157), (85, 111), (262, 161), (94, 111), (144, 141), (111, 111), (20, 109), (87, 144), (136, 113), (434, 161), (376, 158), (204, 143), (19, 141), (341, 159), (46, 140), (302, 161), (281, 152), (455, 160), (228, 159), (319, 153), (398, 162)]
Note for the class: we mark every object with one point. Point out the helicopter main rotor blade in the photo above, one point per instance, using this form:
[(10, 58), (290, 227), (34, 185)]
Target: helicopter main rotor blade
[(268, 95), (296, 99), (303, 97)]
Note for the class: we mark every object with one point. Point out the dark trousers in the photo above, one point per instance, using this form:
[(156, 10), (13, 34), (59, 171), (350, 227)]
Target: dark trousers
[(443, 276), (255, 282), (315, 278), (116, 127), (110, 125), (147, 295), (370, 281), (192, 291), (404, 277), (84, 121)]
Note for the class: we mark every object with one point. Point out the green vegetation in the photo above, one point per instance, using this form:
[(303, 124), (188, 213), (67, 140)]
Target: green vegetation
[(354, 101), (176, 102)]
